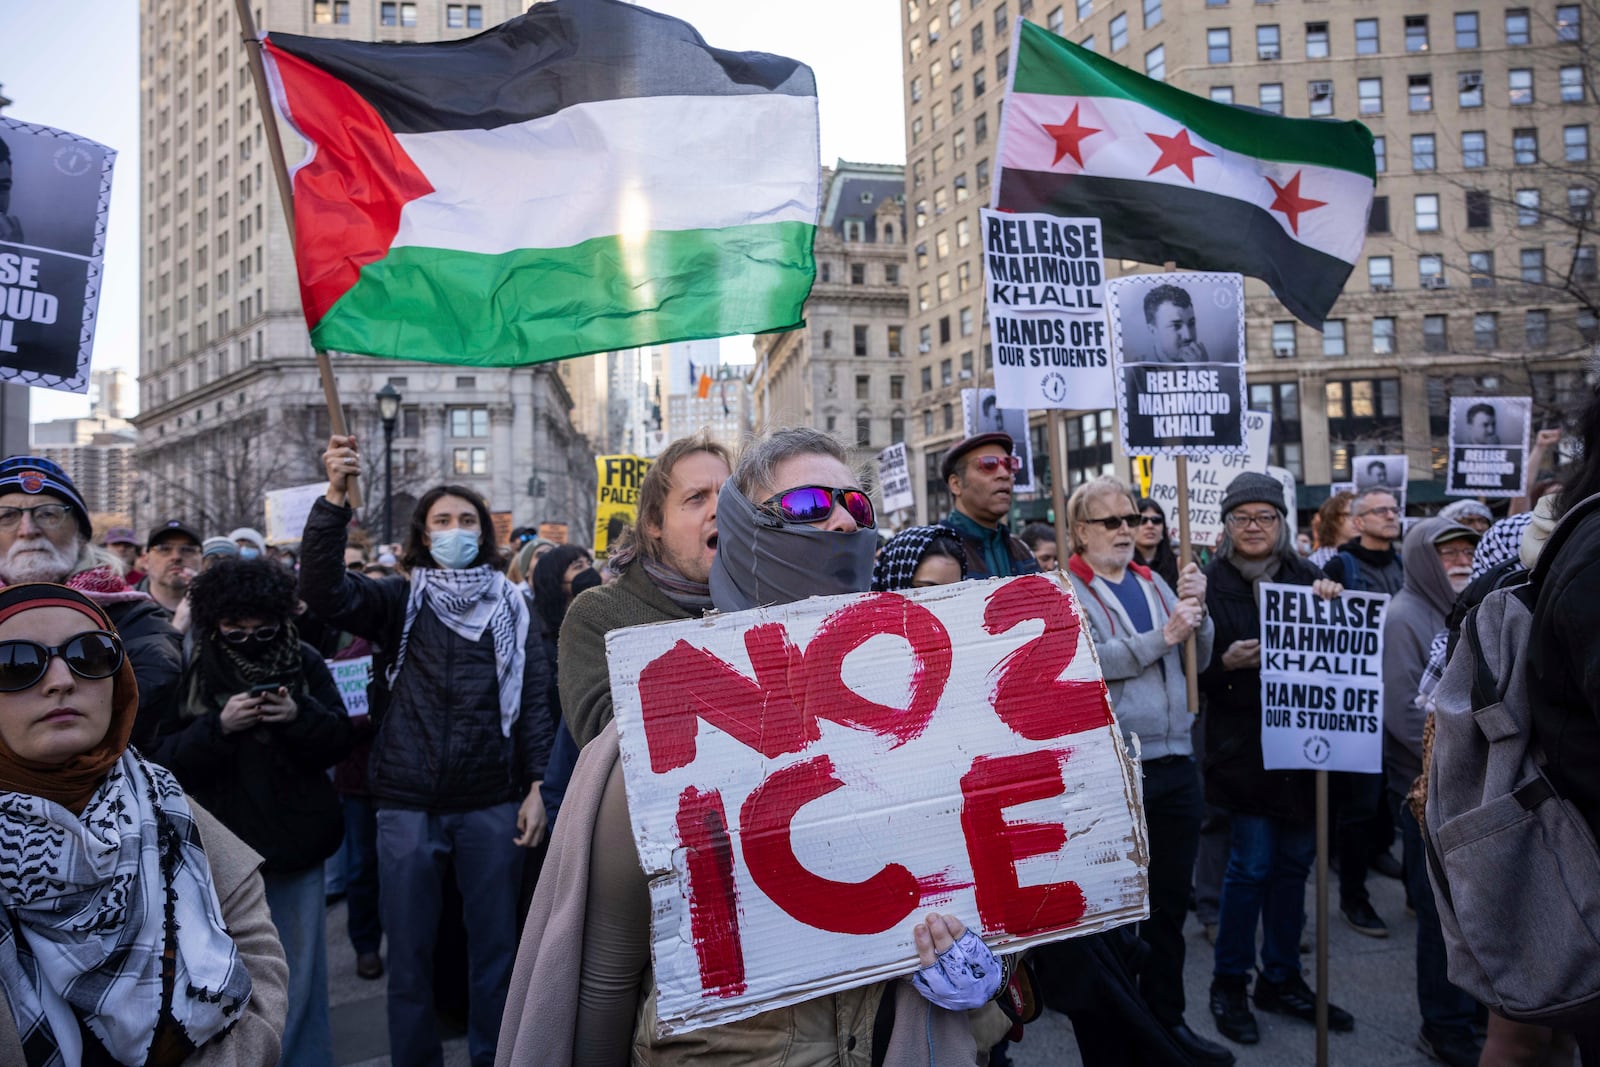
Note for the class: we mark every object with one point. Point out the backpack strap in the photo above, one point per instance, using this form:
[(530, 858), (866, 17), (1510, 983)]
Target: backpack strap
[(1350, 568), (1485, 686)]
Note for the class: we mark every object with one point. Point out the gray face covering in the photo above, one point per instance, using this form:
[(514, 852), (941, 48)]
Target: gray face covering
[(762, 560)]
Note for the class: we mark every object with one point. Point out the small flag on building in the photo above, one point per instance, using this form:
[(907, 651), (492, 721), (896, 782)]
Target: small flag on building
[(585, 177), (703, 389), (1176, 177)]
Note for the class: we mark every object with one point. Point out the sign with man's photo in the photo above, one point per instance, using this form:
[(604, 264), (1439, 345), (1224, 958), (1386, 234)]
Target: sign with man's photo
[(1381, 472), (981, 413), (1488, 445), (1177, 342), (55, 192)]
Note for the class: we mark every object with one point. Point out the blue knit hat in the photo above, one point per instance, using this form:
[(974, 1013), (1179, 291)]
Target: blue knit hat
[(35, 474)]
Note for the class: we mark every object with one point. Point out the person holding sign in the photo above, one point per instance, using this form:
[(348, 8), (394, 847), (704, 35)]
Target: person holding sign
[(980, 472), (1272, 813), (1140, 625)]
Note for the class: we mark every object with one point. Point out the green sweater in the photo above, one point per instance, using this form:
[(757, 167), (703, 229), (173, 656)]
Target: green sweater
[(584, 679)]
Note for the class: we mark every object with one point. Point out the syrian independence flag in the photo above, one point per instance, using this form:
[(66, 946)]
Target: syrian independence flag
[(588, 176), (1173, 176)]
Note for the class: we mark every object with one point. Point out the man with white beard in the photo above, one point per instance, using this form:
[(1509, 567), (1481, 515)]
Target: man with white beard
[(46, 536)]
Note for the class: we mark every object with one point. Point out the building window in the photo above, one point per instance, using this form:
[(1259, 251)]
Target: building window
[(949, 417), (1524, 146), (1474, 149), (1283, 339), (1152, 14), (1419, 93), (1426, 206), (980, 83), (1569, 25), (474, 16), (1363, 416), (894, 334), (1469, 88), (897, 423), (1422, 154), (1268, 41), (1380, 153), (1380, 272), (1430, 271), (1434, 335), (469, 422), (470, 461), (1572, 85), (858, 274), (1369, 96), (1519, 86), (1480, 267), (1416, 33), (1486, 331), (1378, 217), (1478, 214), (1332, 337), (455, 16), (945, 372), (1531, 261), (1222, 94), (1527, 201), (1119, 33), (1155, 63), (897, 387), (1383, 336), (1517, 26), (927, 426), (1219, 46), (1366, 37), (334, 12), (927, 379), (1321, 94), (408, 13), (859, 339), (891, 274), (1578, 199), (1316, 40), (1270, 97), (388, 14), (1466, 29), (944, 329), (863, 387), (1583, 264), (965, 322), (1056, 21), (1536, 327), (1575, 143), (1282, 399)]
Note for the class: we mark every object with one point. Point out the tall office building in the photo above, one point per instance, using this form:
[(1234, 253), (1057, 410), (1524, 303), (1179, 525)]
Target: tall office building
[(1479, 272), (231, 404)]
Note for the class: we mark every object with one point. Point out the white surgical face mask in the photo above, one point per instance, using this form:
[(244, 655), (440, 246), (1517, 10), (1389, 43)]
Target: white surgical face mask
[(454, 549)]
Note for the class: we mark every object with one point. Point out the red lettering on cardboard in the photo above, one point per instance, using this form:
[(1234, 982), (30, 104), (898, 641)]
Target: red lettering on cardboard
[(713, 893), (866, 907), (847, 630), (995, 844), (1029, 693)]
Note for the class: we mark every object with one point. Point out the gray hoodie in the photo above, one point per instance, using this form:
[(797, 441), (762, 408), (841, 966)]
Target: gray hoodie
[(1415, 615)]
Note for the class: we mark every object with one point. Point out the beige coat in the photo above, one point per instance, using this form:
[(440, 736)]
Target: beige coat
[(254, 1040)]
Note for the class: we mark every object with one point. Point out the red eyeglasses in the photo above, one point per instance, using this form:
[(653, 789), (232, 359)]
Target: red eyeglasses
[(814, 503), (990, 464)]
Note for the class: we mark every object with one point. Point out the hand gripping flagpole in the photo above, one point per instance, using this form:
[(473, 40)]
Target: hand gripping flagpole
[(280, 168)]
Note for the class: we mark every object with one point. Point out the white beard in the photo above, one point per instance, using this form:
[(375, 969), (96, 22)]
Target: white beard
[(37, 559)]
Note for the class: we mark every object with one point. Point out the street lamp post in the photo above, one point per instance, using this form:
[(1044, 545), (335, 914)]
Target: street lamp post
[(388, 410)]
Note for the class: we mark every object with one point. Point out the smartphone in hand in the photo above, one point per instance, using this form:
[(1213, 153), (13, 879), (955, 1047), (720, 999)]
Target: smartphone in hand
[(264, 690)]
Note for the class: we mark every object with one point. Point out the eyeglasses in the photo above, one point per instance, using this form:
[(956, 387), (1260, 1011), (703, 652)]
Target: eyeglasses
[(1152, 520), (1117, 522), (261, 634), (168, 548), (1461, 554), (93, 654), (45, 516), (814, 503), (991, 463), (1383, 513), (1263, 521)]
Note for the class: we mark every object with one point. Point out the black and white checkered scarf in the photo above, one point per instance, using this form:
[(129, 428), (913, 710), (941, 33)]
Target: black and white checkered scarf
[(469, 601), (89, 904), (897, 561)]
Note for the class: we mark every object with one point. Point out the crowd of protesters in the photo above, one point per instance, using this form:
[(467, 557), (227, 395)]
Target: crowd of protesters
[(192, 790)]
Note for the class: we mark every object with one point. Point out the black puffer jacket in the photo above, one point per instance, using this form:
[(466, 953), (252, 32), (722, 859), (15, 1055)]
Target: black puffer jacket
[(439, 746), (1234, 776), (156, 651)]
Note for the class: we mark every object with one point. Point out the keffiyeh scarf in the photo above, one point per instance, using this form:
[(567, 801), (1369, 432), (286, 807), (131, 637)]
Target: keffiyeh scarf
[(90, 902), (470, 601), (897, 562)]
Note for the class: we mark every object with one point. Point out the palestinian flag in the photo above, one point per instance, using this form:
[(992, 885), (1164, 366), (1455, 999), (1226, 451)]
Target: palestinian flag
[(1173, 176), (588, 176)]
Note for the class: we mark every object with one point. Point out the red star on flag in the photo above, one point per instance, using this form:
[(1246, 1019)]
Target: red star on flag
[(1177, 152), (1291, 203), (1069, 136)]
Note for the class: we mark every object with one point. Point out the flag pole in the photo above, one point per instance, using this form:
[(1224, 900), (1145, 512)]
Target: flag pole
[(1058, 483), (280, 169), (1191, 647), (1322, 917)]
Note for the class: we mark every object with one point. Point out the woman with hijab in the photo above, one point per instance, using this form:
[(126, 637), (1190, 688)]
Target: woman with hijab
[(135, 928), (460, 695), (791, 523), (918, 557), (1153, 544)]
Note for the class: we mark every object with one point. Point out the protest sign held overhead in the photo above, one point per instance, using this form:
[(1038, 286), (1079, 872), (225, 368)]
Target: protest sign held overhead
[(1045, 290), (1175, 177), (617, 497), (55, 192), (287, 510), (806, 781), (894, 478), (981, 413), (1209, 477), (1321, 680), (1381, 472), (1488, 445), (1178, 348)]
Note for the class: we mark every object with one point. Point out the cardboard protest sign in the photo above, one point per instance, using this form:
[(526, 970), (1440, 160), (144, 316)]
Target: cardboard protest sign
[(54, 198), (1488, 445), (287, 510), (981, 413), (618, 497), (894, 478), (1044, 286), (1381, 472), (1177, 343), (1291, 490), (806, 781), (1321, 680), (352, 676), (1208, 480)]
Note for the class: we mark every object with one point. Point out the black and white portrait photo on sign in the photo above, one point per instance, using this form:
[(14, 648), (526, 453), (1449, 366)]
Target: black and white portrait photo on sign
[(1488, 445), (55, 189), (1381, 472), (1177, 342), (981, 413)]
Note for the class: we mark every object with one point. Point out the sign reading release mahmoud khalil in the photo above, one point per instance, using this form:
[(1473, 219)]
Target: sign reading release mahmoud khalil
[(1178, 353)]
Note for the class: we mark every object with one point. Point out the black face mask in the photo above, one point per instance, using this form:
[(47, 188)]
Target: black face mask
[(762, 560)]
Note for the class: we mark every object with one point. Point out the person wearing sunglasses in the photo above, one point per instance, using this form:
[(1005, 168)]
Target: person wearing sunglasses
[(258, 722), (137, 929), (1272, 827), (1152, 542), (980, 472)]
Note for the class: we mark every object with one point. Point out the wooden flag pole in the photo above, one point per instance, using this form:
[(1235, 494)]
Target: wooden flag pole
[(280, 168), (1058, 484), (1191, 647)]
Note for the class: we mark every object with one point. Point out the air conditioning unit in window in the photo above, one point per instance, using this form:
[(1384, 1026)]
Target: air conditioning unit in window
[(1383, 287), (924, 348), (1282, 351), (1267, 53), (1434, 281), (966, 374)]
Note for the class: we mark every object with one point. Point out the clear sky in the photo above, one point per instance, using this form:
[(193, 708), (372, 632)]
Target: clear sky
[(74, 64)]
